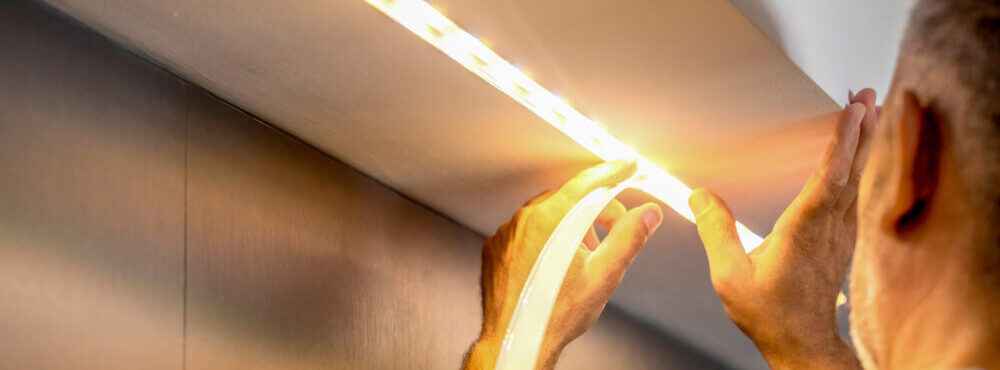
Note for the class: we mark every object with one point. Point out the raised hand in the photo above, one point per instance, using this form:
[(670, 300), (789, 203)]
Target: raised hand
[(783, 294)]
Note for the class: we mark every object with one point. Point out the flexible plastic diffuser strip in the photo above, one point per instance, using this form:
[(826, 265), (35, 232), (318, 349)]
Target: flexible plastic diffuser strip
[(432, 26), (528, 324)]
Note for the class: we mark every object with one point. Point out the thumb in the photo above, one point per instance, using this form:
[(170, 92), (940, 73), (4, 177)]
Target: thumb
[(626, 237), (717, 229)]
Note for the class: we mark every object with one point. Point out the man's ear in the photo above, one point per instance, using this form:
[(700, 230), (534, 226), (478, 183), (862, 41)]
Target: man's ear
[(917, 147)]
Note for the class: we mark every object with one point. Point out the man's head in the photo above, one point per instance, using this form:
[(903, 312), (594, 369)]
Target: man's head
[(929, 204)]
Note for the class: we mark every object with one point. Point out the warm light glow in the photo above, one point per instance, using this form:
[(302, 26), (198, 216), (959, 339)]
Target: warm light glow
[(432, 26)]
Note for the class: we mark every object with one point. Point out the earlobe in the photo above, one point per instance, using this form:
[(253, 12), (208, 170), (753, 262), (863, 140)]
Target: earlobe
[(917, 146)]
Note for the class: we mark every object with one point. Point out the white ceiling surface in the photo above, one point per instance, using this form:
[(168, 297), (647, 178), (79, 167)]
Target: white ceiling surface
[(844, 44), (691, 84)]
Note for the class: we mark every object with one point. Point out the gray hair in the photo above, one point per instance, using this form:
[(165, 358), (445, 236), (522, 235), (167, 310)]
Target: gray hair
[(950, 57)]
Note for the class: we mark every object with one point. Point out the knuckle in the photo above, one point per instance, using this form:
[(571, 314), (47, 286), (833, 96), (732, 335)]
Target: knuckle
[(856, 178), (539, 198), (719, 223), (854, 112), (815, 211), (617, 266), (639, 235), (522, 215), (820, 204), (725, 282), (834, 184), (500, 233), (584, 178)]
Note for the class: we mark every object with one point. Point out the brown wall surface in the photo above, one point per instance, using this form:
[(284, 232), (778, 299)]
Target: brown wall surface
[(91, 200), (146, 224)]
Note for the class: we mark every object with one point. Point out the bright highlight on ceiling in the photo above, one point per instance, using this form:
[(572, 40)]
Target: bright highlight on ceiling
[(423, 20)]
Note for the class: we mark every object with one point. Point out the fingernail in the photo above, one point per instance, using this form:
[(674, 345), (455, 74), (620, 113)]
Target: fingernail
[(699, 201), (622, 163), (652, 218), (629, 165)]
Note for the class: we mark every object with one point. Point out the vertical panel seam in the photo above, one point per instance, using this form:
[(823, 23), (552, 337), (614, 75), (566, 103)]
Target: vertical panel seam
[(187, 124)]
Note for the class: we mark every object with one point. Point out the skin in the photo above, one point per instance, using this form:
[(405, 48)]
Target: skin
[(888, 183), (509, 255), (918, 300), (915, 303), (783, 294), (594, 274)]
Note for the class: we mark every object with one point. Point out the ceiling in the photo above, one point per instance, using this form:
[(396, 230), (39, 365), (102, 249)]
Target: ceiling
[(842, 45), (693, 85)]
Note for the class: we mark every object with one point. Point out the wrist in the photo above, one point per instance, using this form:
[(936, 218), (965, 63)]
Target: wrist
[(483, 354), (549, 353), (826, 351)]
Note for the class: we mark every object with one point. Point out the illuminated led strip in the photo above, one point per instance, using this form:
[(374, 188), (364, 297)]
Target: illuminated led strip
[(432, 26)]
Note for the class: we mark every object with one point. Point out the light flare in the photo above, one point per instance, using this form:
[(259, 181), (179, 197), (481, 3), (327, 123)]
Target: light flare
[(429, 24)]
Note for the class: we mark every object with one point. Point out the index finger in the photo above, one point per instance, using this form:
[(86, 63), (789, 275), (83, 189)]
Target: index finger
[(865, 139), (604, 174), (826, 184)]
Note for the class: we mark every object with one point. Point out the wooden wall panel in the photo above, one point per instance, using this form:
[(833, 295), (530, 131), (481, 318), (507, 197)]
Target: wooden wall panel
[(91, 200), (146, 224), (297, 260)]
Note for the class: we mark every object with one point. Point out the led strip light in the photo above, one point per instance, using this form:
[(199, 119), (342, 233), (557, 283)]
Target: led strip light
[(422, 19)]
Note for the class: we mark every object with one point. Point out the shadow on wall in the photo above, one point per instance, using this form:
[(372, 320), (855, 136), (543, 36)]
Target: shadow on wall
[(296, 259), (117, 179), (759, 13), (146, 224)]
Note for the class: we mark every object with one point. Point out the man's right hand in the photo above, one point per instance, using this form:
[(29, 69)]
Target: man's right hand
[(783, 294), (595, 272)]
